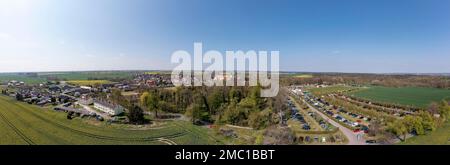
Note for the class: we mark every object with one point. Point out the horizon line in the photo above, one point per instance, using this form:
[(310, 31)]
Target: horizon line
[(285, 71)]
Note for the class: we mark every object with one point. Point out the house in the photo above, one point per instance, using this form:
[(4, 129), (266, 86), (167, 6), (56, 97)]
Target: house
[(16, 83), (86, 100), (151, 83), (86, 87), (54, 88), (66, 87), (222, 77), (108, 107)]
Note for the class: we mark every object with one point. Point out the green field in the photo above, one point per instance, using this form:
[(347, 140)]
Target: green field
[(25, 124), (68, 76), (88, 82), (330, 89), (88, 75), (303, 76), (5, 77), (440, 136), (411, 96)]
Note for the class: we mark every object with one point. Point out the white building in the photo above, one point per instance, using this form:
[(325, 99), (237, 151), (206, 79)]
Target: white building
[(86, 87), (109, 108)]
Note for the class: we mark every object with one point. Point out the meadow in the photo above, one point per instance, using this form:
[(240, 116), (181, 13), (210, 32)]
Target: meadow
[(88, 75), (88, 82), (330, 90), (5, 77), (21, 123), (410, 96), (303, 76), (67, 76)]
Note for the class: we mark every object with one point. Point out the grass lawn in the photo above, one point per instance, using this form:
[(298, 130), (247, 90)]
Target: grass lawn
[(412, 96), (245, 136), (88, 82), (440, 136), (330, 89), (21, 123)]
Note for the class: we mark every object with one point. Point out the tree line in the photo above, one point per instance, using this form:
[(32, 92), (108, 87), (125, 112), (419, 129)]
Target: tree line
[(431, 119), (433, 81), (240, 106)]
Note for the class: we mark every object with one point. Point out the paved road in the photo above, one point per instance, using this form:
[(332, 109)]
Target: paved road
[(351, 136), (87, 108)]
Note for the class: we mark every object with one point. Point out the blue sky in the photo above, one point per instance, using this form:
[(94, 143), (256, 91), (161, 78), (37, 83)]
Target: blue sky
[(376, 36)]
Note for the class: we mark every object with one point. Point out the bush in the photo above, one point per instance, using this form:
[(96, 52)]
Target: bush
[(136, 115), (259, 120)]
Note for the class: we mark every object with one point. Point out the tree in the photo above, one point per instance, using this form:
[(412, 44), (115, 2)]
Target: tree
[(200, 106), (215, 100), (433, 108), (259, 120), (194, 112), (414, 124), (150, 101), (375, 128), (198, 109), (444, 110), (166, 107), (427, 121), (19, 97), (183, 98), (398, 127), (255, 95), (235, 94), (136, 115), (117, 97)]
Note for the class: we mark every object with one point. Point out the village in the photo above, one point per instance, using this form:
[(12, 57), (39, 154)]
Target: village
[(80, 100)]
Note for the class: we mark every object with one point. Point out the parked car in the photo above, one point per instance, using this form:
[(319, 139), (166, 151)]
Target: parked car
[(365, 129), (306, 127)]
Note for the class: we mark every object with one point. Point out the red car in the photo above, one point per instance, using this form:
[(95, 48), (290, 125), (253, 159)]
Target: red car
[(356, 130)]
